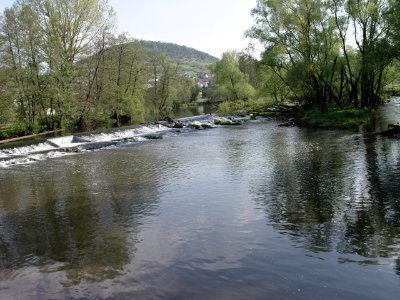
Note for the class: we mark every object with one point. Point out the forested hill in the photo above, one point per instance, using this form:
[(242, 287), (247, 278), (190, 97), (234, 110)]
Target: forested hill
[(189, 59), (175, 51)]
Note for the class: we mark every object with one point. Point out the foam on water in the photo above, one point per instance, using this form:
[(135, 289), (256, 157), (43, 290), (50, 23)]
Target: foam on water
[(60, 146), (25, 150), (66, 145), (31, 158), (125, 134)]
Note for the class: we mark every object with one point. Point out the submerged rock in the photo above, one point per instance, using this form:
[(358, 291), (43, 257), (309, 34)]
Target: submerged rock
[(226, 121), (153, 136), (289, 123), (200, 125), (393, 129), (171, 123)]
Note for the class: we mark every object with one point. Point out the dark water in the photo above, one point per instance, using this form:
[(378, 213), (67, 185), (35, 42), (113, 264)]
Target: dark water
[(250, 212)]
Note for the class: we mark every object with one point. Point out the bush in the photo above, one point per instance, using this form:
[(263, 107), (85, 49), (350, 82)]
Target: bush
[(255, 106), (228, 108), (336, 118), (14, 131)]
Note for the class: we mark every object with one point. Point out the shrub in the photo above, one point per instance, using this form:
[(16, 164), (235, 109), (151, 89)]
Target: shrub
[(336, 118)]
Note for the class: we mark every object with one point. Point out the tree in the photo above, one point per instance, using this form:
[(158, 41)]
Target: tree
[(307, 46), (6, 98), (186, 90), (371, 35), (70, 30), (249, 66), (42, 41), (125, 79), (22, 59), (230, 83), (164, 76), (300, 47), (271, 87)]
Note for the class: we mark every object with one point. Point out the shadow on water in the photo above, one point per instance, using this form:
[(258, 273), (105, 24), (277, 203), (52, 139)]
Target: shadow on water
[(327, 197), (78, 218)]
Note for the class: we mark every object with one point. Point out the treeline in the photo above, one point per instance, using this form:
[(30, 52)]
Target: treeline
[(318, 53), (61, 66), (177, 51)]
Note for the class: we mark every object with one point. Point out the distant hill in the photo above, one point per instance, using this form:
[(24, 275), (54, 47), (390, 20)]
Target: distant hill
[(190, 60), (177, 51)]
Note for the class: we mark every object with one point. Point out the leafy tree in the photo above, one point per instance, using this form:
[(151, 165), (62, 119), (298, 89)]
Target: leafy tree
[(21, 58), (271, 87), (61, 66), (125, 78), (249, 66), (230, 83), (70, 29), (41, 42), (307, 46), (163, 81), (187, 90), (6, 98), (301, 47), (371, 33)]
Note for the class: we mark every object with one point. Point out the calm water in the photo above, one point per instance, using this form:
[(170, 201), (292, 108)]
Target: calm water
[(250, 212)]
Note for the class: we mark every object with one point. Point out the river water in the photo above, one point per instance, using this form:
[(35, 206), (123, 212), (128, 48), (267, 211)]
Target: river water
[(254, 211)]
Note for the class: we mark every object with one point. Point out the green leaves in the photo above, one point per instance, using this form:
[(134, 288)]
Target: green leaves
[(308, 46), (230, 82)]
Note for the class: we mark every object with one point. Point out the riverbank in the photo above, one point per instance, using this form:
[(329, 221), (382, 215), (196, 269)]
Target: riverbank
[(30, 136), (334, 118)]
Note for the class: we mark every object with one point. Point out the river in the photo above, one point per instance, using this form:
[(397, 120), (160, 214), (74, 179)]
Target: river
[(254, 211)]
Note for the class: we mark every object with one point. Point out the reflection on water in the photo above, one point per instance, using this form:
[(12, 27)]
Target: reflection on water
[(73, 217), (335, 193), (251, 212)]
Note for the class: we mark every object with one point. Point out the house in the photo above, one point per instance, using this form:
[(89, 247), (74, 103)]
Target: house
[(202, 83)]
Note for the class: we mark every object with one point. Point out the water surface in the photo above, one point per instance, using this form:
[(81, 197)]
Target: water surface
[(250, 212)]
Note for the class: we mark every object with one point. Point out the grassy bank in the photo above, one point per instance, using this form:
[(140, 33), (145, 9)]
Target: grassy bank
[(336, 118), (17, 130), (245, 107), (13, 131)]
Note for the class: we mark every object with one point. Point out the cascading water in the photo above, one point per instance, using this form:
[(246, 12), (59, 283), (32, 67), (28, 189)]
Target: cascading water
[(67, 145)]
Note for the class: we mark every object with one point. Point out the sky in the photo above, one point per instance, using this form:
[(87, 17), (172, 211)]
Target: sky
[(211, 26)]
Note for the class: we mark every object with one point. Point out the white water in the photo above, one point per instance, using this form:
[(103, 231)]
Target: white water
[(21, 151), (67, 145), (125, 134)]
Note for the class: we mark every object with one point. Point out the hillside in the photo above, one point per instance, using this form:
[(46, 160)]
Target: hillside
[(190, 60)]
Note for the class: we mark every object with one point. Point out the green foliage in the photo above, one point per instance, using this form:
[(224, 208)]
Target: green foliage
[(186, 90), (164, 87), (41, 41), (308, 57), (19, 129), (14, 131), (175, 51), (272, 87), (337, 118), (189, 60), (227, 108), (230, 83), (61, 66), (232, 107)]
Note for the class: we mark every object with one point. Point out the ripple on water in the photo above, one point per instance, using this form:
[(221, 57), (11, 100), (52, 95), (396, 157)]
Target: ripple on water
[(254, 213)]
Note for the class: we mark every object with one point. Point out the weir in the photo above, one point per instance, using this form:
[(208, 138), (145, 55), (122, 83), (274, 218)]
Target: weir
[(67, 145)]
